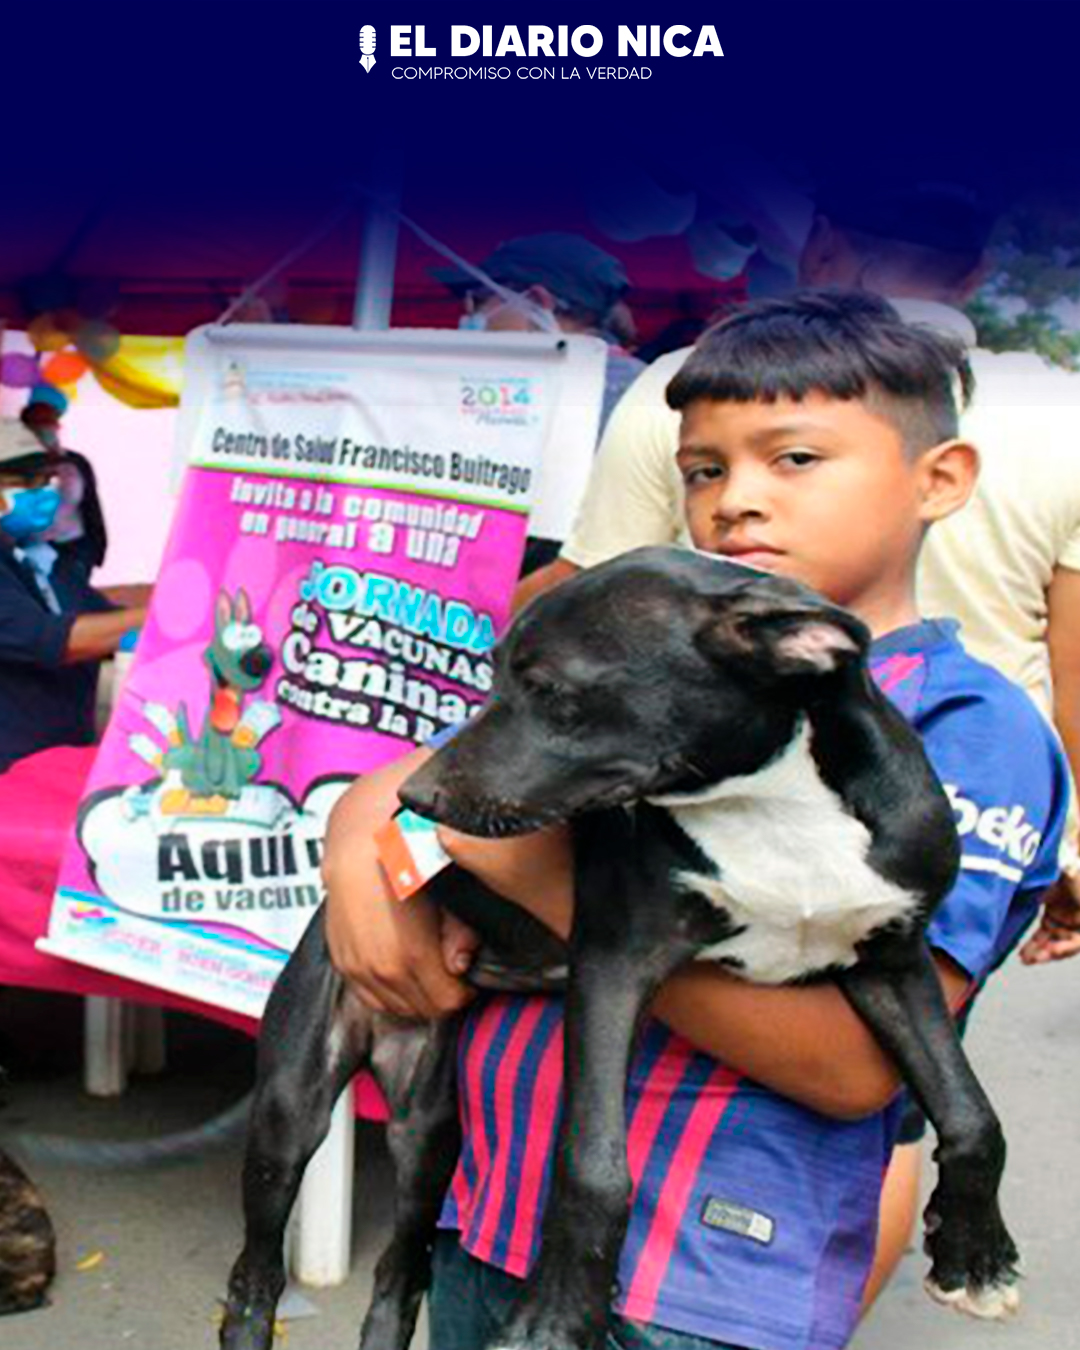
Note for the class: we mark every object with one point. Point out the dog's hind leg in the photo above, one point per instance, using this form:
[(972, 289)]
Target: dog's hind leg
[(414, 1065), (314, 1038), (973, 1258)]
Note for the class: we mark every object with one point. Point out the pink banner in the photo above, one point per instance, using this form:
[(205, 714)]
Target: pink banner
[(327, 600)]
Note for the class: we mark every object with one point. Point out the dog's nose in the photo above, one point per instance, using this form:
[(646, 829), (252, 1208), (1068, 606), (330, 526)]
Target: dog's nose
[(421, 801), (420, 792), (256, 662)]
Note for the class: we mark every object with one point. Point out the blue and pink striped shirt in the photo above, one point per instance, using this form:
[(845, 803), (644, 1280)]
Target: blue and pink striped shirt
[(754, 1218)]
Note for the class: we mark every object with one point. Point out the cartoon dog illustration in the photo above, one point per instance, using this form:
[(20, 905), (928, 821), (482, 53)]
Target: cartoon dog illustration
[(204, 775)]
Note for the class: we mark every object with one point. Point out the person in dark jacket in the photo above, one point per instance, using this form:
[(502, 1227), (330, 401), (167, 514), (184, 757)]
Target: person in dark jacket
[(55, 628)]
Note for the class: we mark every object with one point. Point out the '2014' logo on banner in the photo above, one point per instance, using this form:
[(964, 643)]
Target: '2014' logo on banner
[(500, 402), (367, 46)]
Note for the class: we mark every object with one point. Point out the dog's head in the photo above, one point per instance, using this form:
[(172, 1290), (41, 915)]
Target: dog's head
[(660, 672), (238, 657)]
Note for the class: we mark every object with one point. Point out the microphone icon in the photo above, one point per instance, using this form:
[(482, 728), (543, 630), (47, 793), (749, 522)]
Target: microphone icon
[(367, 46)]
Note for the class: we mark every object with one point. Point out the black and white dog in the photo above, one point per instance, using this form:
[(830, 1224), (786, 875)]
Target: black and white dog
[(740, 792)]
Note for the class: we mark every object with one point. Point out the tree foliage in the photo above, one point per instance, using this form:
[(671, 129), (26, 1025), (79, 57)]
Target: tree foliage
[(1035, 273)]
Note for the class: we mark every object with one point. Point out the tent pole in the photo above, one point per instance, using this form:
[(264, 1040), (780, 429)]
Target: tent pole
[(378, 258)]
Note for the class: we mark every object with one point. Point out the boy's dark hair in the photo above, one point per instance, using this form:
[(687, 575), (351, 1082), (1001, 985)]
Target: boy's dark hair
[(844, 344)]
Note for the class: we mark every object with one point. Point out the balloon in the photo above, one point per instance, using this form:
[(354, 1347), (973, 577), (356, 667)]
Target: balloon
[(48, 393), (65, 368), (67, 319), (134, 395), (18, 371), (98, 341), (146, 372), (45, 335)]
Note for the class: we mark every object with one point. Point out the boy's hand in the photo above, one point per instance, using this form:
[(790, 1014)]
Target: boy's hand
[(1058, 934), (398, 966), (391, 951)]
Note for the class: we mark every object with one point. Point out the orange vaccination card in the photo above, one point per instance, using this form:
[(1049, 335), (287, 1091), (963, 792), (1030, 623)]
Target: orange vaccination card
[(410, 852)]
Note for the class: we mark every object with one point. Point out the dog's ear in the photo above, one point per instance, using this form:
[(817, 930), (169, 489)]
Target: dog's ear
[(808, 644), (784, 641), (242, 608), (223, 610)]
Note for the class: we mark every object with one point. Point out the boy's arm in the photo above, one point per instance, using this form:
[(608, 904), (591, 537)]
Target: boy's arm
[(1063, 640), (1058, 933), (805, 1042), (999, 765)]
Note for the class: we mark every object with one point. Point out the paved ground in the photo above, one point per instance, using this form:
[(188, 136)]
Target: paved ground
[(166, 1237)]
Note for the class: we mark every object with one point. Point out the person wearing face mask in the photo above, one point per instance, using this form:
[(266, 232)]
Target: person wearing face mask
[(79, 527), (55, 629), (555, 283)]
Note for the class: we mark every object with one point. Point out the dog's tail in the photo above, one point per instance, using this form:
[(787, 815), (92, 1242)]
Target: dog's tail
[(114, 1155)]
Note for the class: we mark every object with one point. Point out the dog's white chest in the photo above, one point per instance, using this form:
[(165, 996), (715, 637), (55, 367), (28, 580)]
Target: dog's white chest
[(793, 869)]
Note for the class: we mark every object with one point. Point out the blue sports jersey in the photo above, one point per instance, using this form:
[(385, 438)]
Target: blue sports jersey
[(754, 1218)]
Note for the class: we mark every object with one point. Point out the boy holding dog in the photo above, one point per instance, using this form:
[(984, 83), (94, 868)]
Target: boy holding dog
[(818, 442)]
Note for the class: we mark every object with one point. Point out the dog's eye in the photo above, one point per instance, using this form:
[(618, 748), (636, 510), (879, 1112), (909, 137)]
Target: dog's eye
[(240, 637), (232, 637), (559, 707), (563, 716), (558, 704)]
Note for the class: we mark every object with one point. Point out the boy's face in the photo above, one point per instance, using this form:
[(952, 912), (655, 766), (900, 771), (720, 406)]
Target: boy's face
[(820, 490)]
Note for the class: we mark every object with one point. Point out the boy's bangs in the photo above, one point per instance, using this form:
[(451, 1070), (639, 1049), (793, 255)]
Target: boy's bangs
[(844, 346), (766, 367)]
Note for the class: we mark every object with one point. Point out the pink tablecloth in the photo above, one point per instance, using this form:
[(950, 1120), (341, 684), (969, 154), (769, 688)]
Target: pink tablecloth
[(39, 797)]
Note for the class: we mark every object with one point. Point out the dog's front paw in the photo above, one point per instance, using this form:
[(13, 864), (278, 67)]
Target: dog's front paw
[(988, 1302), (974, 1261)]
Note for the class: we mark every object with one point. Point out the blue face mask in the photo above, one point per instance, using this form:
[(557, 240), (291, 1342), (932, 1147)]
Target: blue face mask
[(538, 317), (30, 511)]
